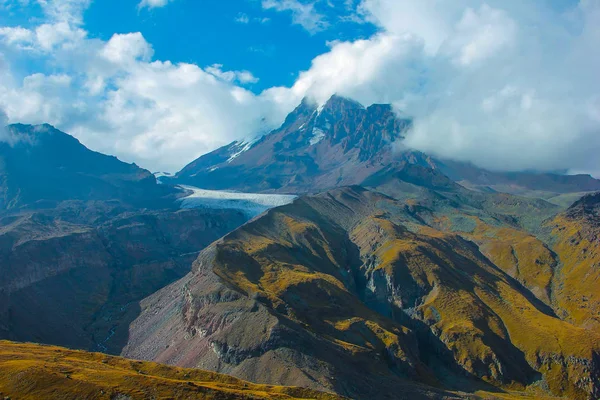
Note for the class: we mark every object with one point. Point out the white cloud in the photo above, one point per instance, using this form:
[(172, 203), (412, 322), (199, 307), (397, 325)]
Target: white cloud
[(69, 11), (303, 13), (116, 99), (481, 34), (242, 77), (127, 48), (17, 35), (503, 83), (153, 3), (370, 70)]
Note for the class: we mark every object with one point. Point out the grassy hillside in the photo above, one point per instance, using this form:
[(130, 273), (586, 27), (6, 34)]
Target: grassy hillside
[(29, 371), (358, 286), (576, 234)]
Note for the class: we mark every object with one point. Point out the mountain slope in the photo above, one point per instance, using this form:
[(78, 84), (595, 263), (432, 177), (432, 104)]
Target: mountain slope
[(41, 166), (576, 236), (77, 285), (356, 292), (559, 189), (29, 371)]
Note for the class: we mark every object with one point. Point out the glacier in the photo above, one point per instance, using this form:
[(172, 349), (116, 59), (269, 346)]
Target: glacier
[(251, 204)]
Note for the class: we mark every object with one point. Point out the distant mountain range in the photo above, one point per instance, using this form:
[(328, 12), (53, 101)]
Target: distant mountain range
[(43, 166), (343, 143), (391, 275)]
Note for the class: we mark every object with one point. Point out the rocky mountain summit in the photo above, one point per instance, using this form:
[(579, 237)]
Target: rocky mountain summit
[(316, 148), (344, 143)]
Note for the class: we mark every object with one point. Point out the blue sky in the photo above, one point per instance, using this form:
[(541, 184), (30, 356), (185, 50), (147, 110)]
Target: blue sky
[(506, 84), (239, 34)]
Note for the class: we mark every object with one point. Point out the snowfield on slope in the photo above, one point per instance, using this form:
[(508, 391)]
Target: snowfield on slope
[(252, 204)]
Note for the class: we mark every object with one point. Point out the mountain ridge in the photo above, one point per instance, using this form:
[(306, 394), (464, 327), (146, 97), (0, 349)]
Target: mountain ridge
[(42, 166)]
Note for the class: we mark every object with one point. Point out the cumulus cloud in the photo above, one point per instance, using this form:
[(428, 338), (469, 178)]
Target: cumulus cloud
[(117, 99), (242, 77), (127, 48), (505, 84), (68, 11)]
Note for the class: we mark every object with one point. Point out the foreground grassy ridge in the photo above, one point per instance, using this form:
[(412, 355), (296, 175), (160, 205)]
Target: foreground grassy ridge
[(29, 371)]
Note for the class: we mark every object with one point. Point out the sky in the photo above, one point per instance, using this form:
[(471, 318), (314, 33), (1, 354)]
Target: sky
[(505, 84)]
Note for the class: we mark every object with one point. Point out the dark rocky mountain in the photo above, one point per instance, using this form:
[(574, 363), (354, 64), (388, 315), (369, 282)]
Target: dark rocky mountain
[(359, 293), (84, 237), (78, 285), (41, 166), (344, 143)]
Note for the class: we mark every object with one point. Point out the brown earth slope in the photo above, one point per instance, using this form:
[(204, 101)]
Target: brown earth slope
[(355, 292)]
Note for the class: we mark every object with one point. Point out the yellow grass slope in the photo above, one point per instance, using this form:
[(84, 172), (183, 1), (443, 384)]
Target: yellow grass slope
[(29, 371)]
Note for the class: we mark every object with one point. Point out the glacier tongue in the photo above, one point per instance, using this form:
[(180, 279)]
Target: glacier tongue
[(252, 204)]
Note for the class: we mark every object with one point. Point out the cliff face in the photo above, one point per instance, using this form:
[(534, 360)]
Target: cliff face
[(77, 284), (355, 292)]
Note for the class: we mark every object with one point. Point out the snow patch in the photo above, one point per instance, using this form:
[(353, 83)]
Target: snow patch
[(320, 109), (318, 135), (243, 146), (252, 204)]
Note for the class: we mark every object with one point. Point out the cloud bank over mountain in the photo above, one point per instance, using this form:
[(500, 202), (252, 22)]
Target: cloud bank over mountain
[(504, 84)]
